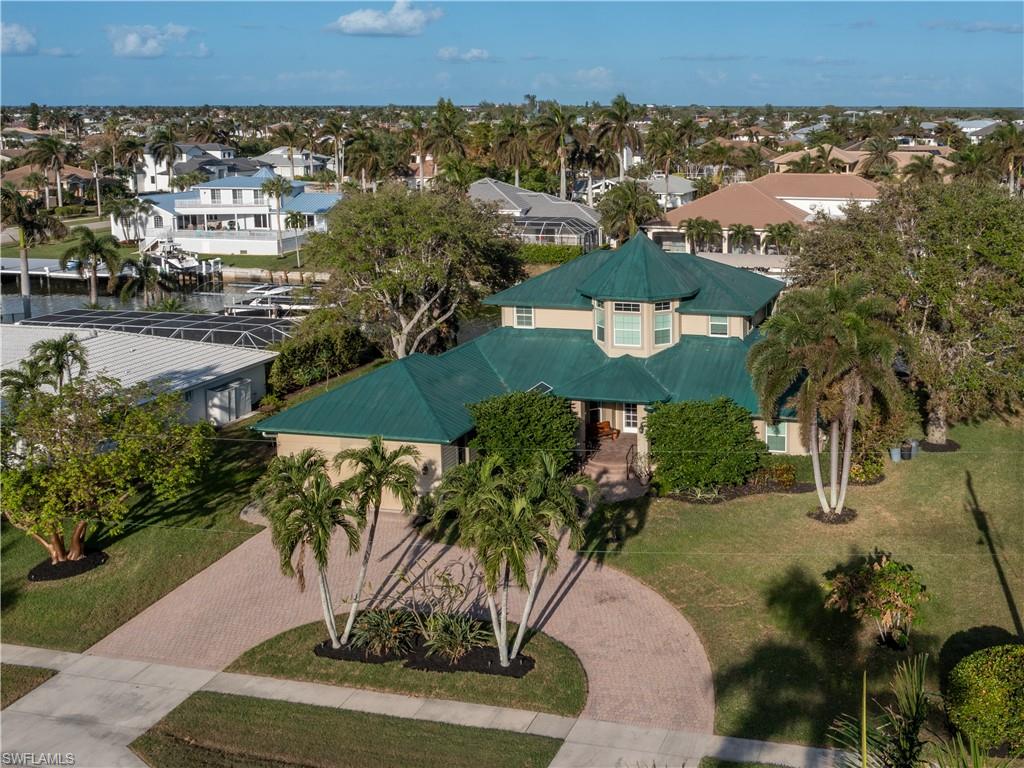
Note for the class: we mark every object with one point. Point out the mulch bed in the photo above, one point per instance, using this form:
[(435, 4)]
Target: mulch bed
[(47, 571), (950, 446), (481, 660), (846, 516)]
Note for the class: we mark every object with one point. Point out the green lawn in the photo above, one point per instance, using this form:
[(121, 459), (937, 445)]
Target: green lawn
[(17, 680), (213, 730), (54, 250), (164, 545), (557, 684), (748, 574)]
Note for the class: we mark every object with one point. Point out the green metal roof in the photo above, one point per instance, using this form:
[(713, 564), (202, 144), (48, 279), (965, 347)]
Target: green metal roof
[(618, 380), (641, 271), (423, 398)]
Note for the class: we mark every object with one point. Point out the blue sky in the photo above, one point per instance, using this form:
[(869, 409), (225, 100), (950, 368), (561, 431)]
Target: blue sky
[(928, 53)]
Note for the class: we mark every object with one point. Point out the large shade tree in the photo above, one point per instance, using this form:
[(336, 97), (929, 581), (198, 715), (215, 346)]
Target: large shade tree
[(404, 265), (950, 257)]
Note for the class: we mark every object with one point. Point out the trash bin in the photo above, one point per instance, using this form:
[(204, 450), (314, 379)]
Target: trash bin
[(906, 451), (915, 446), (894, 454)]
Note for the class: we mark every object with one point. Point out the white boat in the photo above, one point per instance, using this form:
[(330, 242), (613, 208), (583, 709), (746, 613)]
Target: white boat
[(269, 289)]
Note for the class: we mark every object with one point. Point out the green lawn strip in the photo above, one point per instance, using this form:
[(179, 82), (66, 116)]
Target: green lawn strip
[(17, 680), (213, 730), (749, 573), (56, 250), (557, 684), (162, 546), (267, 261)]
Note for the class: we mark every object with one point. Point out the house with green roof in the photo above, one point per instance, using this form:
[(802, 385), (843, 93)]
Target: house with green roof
[(613, 331)]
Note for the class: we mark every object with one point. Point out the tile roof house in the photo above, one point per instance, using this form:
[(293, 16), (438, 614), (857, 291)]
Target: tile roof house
[(538, 217), (776, 198), (613, 331), (211, 159), (851, 159), (230, 215)]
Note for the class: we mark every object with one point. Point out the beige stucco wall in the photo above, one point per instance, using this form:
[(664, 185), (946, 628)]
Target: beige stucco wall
[(794, 437), (434, 459), (699, 325), (573, 319)]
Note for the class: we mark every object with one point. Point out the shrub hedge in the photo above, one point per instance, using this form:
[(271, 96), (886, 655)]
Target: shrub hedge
[(323, 346), (985, 697), (69, 210), (544, 253), (518, 424), (702, 445)]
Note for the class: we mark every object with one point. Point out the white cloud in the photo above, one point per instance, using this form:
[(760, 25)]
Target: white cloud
[(16, 40), (59, 53), (473, 54), (595, 77), (201, 51), (145, 41), (977, 26), (401, 20)]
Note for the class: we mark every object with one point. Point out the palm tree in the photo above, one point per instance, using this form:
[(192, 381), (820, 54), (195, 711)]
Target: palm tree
[(947, 132), (36, 181), (718, 155), (1009, 150), (419, 135), (615, 126), (367, 155), (447, 131), (310, 136), (701, 232), (61, 356), (625, 206), (140, 276), (304, 509), (336, 130), (751, 161), (278, 189), (457, 173), (378, 471), (163, 145), (921, 169), (288, 136), (512, 143), (976, 162), (50, 154), (556, 132), (556, 506), (35, 225), (296, 221), (803, 164), (827, 351), (665, 148), (90, 252), (743, 234), (113, 130), (782, 236), (879, 161), (190, 179), (824, 162), (18, 384)]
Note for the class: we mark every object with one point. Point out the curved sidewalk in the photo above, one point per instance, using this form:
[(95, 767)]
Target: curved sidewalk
[(644, 662)]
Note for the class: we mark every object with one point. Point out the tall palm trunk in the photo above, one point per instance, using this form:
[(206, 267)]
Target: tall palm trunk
[(362, 178), (94, 290), (26, 290), (833, 468), (816, 465), (528, 609), (517, 175), (847, 459), (291, 161), (561, 163), (280, 247), (337, 170), (496, 626), (361, 578), (936, 426), (60, 193), (622, 164), (325, 602), (504, 614)]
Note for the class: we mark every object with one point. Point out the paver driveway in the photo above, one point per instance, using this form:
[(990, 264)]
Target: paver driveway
[(644, 662)]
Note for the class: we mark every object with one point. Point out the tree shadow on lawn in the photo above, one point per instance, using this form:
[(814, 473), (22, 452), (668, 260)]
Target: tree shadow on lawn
[(611, 526), (802, 682)]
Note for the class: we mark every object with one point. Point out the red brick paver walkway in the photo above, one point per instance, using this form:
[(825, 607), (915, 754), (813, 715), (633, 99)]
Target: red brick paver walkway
[(645, 664)]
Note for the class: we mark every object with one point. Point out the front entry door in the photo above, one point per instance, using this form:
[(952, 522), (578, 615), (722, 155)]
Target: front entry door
[(630, 422)]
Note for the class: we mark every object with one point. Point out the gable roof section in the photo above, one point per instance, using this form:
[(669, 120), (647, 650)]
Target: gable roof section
[(622, 379), (728, 290), (742, 203), (817, 185), (311, 202), (525, 203), (556, 288)]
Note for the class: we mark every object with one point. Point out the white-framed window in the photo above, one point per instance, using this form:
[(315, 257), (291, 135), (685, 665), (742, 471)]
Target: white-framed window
[(627, 328), (259, 221), (524, 317), (599, 320), (158, 221), (775, 437), (236, 196), (214, 195), (258, 197), (718, 325), (662, 323), (630, 420)]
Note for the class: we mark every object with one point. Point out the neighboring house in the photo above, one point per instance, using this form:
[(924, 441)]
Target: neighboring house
[(776, 198), (541, 218), (429, 171), (613, 331), (306, 163), (851, 160), (215, 161), (73, 180), (679, 189), (228, 216), (12, 155), (978, 129), (219, 384)]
